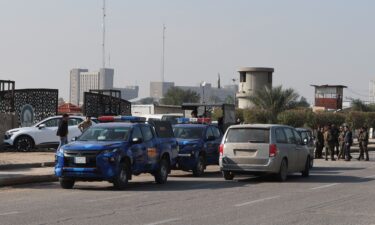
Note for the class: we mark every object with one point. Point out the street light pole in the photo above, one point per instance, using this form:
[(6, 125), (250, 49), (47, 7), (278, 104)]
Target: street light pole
[(203, 85)]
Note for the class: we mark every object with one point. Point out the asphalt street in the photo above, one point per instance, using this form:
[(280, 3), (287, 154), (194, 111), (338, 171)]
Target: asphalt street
[(336, 193)]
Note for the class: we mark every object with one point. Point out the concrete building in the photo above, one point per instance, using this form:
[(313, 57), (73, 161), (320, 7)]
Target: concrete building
[(207, 93), (81, 80), (159, 89), (328, 97), (251, 80)]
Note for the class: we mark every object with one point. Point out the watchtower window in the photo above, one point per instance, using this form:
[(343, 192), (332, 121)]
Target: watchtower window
[(242, 77)]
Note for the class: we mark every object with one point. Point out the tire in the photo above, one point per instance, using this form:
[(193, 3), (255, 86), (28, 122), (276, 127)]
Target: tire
[(161, 174), (228, 175), (199, 167), (66, 183), (24, 143), (306, 171), (121, 180), (283, 172)]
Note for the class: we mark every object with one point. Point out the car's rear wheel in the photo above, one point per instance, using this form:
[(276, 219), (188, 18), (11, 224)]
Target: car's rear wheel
[(24, 143), (66, 183), (306, 171), (121, 180), (228, 175), (283, 172), (199, 167), (161, 174)]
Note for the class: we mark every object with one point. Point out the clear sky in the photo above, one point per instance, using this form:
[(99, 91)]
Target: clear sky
[(307, 42)]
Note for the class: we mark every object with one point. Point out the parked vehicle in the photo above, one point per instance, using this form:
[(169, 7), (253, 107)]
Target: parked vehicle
[(171, 117), (42, 134), (198, 146), (309, 140), (263, 148), (115, 151)]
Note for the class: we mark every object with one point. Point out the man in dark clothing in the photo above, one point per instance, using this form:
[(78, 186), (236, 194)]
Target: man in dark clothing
[(62, 130), (335, 135), (348, 139), (319, 145)]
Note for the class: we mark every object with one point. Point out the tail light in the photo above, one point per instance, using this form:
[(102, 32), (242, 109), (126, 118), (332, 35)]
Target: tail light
[(273, 150), (221, 149)]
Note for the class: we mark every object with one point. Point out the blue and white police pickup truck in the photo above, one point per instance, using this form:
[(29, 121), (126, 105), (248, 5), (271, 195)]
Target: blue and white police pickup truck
[(198, 142), (114, 151)]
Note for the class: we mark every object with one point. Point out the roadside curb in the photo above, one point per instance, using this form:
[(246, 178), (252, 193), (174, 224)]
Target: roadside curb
[(26, 165), (27, 179)]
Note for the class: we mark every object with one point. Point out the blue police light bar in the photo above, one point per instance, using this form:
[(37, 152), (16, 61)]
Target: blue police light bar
[(183, 120), (194, 120)]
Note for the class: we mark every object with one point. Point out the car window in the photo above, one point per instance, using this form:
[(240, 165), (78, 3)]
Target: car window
[(304, 135), (216, 132), (245, 135), (297, 137), (74, 121), (137, 133), (147, 133), (280, 136), (209, 133), (105, 134), (290, 136), (188, 132), (52, 122)]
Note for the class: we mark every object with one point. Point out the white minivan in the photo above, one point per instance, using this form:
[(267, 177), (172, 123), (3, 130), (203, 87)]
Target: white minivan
[(263, 149)]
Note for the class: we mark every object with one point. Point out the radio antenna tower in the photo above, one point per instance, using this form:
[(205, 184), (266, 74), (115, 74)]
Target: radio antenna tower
[(163, 54), (103, 38)]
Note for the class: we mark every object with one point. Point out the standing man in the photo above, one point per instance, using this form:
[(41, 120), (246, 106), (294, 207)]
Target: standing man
[(319, 145), (335, 134), (348, 139), (329, 143), (85, 124), (363, 142), (341, 143), (62, 130)]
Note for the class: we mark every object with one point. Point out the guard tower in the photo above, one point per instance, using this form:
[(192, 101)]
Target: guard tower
[(329, 97), (251, 80)]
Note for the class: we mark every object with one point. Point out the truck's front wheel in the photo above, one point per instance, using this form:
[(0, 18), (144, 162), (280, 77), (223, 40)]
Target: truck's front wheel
[(66, 183), (121, 180), (161, 174)]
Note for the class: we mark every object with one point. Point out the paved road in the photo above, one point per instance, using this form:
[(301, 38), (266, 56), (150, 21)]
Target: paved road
[(335, 193)]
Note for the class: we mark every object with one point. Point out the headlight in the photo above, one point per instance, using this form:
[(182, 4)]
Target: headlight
[(110, 151), (10, 133)]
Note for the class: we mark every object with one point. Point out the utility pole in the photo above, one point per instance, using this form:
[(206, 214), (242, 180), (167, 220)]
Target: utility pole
[(163, 55), (103, 38)]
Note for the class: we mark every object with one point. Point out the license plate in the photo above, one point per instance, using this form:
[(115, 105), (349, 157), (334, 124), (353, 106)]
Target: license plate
[(80, 160)]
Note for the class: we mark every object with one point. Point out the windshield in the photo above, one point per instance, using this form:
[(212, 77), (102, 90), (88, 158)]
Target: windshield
[(188, 132), (105, 134)]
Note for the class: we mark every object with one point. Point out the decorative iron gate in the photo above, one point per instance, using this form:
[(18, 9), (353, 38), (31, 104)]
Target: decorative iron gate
[(100, 104), (30, 105)]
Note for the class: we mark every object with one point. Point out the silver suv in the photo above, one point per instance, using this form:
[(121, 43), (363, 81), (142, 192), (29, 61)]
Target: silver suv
[(263, 148)]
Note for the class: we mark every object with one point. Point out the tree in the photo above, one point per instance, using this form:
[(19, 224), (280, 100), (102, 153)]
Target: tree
[(274, 101), (177, 96), (359, 105)]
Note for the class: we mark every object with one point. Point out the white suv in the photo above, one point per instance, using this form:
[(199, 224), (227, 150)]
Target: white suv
[(42, 134)]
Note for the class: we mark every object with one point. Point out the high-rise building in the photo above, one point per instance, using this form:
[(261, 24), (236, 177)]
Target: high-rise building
[(81, 80)]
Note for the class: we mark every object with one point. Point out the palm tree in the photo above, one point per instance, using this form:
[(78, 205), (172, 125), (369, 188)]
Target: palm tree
[(274, 101)]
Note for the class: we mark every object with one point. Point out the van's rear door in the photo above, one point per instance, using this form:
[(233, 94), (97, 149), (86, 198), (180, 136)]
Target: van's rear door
[(247, 145)]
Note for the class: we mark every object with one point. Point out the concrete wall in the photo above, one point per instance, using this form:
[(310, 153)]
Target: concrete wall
[(8, 121)]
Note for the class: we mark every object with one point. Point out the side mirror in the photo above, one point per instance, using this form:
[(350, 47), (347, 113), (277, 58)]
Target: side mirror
[(137, 140), (74, 138), (41, 126), (305, 141)]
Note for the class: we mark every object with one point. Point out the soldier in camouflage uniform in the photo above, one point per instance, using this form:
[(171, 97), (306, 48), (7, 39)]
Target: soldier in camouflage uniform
[(363, 142), (329, 143), (341, 154)]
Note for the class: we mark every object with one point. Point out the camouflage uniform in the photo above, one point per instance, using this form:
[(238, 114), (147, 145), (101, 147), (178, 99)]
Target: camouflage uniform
[(363, 142), (341, 154), (329, 144)]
